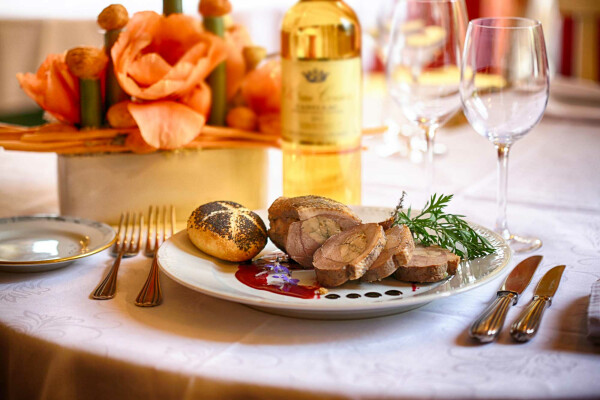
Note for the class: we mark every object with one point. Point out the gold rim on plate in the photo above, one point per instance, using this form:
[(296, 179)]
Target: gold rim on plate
[(85, 222)]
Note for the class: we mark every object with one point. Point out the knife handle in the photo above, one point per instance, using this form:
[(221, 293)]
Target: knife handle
[(487, 327), (526, 326)]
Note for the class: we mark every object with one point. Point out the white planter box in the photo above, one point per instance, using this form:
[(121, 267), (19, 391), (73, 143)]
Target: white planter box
[(101, 186)]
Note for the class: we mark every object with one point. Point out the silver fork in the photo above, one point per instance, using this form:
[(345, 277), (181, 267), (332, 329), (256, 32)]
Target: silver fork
[(151, 294), (127, 245)]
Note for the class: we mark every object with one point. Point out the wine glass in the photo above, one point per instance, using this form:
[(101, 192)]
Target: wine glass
[(423, 65), (504, 90)]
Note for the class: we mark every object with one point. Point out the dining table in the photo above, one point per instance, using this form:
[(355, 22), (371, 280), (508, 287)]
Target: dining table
[(58, 343)]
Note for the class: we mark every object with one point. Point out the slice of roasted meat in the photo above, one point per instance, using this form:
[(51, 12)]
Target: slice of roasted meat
[(305, 237), (299, 225), (398, 241), (406, 247), (428, 264), (348, 255)]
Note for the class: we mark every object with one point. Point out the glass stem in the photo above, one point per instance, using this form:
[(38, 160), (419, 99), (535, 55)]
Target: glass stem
[(429, 170), (501, 224)]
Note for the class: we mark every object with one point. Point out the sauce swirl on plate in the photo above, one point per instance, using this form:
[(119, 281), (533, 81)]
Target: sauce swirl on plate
[(276, 266)]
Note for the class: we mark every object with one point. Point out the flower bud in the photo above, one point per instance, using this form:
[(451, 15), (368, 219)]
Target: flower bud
[(118, 116), (113, 17), (242, 118), (214, 8), (86, 62)]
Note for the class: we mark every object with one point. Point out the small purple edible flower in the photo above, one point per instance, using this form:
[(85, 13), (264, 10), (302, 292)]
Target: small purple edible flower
[(290, 280), (283, 273), (281, 269)]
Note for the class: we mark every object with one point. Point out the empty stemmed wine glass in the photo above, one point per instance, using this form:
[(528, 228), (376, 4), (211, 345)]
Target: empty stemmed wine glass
[(423, 64), (504, 90)]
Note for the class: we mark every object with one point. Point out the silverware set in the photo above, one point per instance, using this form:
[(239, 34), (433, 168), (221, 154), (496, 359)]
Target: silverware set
[(160, 226), (489, 324)]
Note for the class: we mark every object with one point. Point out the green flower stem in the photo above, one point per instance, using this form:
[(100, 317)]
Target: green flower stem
[(217, 79), (172, 7), (90, 103), (110, 37), (114, 92)]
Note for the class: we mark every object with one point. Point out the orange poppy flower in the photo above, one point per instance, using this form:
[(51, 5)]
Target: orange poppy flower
[(54, 88), (199, 99), (165, 60), (166, 124), (159, 57), (136, 143)]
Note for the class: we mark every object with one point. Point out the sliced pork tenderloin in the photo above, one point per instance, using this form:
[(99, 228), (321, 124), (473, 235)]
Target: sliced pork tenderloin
[(305, 237), (398, 240), (406, 248), (428, 264), (286, 211), (349, 254)]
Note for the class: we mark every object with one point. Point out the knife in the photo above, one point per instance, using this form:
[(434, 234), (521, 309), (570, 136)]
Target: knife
[(487, 327), (526, 326)]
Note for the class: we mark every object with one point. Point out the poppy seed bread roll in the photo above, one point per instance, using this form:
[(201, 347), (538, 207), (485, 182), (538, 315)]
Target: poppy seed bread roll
[(227, 230)]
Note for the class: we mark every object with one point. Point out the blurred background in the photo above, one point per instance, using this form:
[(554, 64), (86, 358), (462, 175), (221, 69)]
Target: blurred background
[(30, 29)]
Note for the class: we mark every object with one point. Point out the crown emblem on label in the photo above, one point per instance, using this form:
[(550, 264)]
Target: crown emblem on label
[(315, 75)]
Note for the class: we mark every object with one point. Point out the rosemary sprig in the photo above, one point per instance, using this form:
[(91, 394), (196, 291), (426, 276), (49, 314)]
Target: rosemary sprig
[(432, 226)]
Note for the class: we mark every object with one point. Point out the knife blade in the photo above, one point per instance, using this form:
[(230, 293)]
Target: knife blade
[(488, 325), (526, 326)]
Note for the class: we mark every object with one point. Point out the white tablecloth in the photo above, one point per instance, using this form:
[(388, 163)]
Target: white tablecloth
[(56, 343)]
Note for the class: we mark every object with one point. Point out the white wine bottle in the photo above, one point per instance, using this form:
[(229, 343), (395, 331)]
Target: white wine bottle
[(321, 101)]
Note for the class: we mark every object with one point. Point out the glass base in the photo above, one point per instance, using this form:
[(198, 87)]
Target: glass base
[(522, 244)]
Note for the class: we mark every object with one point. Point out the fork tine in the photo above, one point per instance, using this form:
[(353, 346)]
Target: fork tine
[(121, 227), (164, 224), (138, 241), (172, 220), (131, 240), (115, 248), (156, 229), (148, 249), (129, 237), (141, 231), (125, 236)]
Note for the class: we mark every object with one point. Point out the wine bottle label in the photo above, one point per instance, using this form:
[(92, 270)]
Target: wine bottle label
[(321, 101)]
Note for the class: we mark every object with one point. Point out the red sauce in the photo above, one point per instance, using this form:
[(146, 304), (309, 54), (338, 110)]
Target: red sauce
[(250, 275), (414, 287)]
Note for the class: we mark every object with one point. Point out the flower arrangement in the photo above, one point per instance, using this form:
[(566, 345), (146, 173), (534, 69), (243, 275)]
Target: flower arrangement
[(161, 82)]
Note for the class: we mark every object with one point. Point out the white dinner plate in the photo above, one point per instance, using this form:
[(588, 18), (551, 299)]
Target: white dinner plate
[(45, 242), (184, 263)]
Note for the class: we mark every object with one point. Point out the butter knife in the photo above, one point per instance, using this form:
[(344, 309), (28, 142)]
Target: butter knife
[(488, 325), (526, 326)]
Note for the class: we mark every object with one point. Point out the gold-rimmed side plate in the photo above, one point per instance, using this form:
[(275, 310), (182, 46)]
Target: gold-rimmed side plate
[(46, 242)]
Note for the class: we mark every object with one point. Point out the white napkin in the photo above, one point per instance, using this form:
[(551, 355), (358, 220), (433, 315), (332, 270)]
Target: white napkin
[(594, 314)]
